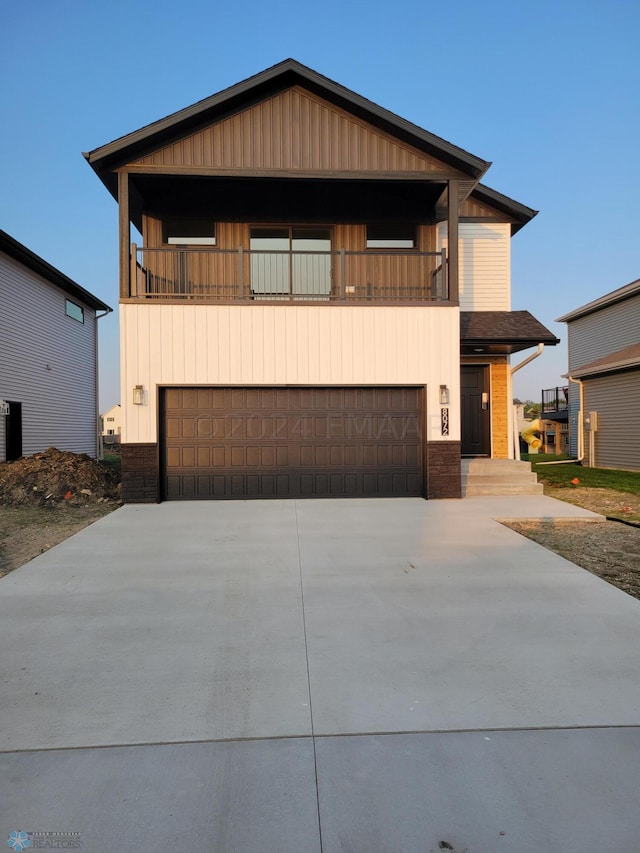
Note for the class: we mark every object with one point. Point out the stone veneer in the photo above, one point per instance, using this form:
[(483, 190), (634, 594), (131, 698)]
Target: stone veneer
[(140, 474), (443, 469)]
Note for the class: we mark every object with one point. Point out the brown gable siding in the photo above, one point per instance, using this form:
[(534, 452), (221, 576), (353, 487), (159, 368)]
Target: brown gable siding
[(294, 130), (475, 209)]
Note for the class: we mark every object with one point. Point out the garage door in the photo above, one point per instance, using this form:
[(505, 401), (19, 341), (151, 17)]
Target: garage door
[(225, 443)]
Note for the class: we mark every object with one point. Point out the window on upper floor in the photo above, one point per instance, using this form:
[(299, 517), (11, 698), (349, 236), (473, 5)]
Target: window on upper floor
[(76, 312), (189, 232), (391, 235)]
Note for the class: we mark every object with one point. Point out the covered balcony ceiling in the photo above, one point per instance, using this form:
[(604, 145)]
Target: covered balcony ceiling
[(262, 199)]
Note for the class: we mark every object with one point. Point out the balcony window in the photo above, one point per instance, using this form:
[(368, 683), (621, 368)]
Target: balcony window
[(189, 232), (291, 261), (391, 236)]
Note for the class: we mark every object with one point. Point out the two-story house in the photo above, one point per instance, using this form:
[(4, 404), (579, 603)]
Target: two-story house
[(604, 369), (48, 357), (321, 302), (111, 424)]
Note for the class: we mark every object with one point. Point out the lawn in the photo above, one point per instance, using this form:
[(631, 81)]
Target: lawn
[(597, 478)]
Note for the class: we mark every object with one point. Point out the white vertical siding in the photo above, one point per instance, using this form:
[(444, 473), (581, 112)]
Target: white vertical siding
[(286, 345), (485, 264), (47, 362)]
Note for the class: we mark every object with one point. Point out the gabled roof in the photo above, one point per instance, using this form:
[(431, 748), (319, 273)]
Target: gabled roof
[(624, 359), (519, 213), (277, 78), (485, 332), (35, 263), (619, 295)]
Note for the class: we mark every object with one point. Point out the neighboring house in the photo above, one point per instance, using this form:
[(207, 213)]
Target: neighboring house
[(48, 357), (111, 424), (604, 359), (555, 420), (321, 305)]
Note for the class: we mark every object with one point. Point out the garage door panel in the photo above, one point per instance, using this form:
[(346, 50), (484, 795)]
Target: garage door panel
[(230, 443), (237, 456), (172, 428)]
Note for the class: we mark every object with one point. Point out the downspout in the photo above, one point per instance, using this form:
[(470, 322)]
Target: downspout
[(514, 424), (578, 382), (99, 447), (580, 429)]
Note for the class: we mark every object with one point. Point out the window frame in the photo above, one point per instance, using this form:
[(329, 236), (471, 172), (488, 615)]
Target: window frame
[(69, 312), (388, 245), (195, 224)]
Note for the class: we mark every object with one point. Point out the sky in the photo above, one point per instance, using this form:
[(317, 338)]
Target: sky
[(549, 92)]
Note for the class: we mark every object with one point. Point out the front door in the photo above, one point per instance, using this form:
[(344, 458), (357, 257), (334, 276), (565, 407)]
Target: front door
[(474, 411)]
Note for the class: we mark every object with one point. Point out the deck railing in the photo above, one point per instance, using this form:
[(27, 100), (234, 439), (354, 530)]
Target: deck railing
[(243, 275), (555, 399)]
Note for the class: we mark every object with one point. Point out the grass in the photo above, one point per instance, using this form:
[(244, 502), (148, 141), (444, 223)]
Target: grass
[(599, 478), (112, 460)]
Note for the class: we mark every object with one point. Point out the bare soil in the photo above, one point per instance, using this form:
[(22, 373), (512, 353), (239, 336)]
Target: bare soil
[(609, 549), (48, 497), (27, 531)]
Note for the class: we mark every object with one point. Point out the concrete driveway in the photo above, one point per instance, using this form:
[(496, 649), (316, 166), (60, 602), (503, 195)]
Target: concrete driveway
[(381, 675)]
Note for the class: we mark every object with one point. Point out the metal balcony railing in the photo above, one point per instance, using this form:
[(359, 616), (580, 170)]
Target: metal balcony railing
[(242, 275), (555, 399)]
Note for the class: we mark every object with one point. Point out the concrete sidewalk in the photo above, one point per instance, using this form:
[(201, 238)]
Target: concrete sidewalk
[(379, 675)]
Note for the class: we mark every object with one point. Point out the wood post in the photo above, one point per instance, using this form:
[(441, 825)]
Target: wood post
[(452, 239), (124, 234)]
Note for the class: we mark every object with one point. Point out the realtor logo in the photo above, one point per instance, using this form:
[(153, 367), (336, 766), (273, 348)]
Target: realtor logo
[(18, 840), (21, 840)]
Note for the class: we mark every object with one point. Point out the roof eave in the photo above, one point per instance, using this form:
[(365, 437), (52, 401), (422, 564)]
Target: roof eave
[(107, 156), (520, 213), (627, 291), (34, 262), (611, 368)]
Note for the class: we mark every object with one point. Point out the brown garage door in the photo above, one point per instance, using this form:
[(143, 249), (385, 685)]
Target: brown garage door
[(226, 443)]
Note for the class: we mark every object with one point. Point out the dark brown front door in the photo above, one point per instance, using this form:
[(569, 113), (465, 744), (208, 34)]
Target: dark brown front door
[(292, 442), (474, 411)]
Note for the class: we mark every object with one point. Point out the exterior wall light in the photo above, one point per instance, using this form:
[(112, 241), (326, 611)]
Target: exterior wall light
[(444, 395), (138, 395)]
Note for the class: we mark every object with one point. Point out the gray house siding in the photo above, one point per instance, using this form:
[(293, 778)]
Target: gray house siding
[(47, 362), (603, 332), (616, 399), (573, 414), (593, 336)]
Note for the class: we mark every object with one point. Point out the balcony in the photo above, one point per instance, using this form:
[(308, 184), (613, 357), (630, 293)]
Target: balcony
[(555, 400), (249, 276)]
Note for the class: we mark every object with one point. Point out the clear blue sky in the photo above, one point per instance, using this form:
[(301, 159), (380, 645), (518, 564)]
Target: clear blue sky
[(547, 91)]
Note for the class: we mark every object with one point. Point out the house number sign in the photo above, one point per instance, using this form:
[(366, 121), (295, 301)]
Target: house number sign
[(444, 421)]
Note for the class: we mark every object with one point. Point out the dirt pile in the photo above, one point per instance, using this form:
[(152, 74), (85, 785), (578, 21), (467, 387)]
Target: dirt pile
[(58, 477)]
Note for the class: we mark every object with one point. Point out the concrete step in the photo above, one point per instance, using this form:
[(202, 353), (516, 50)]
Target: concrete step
[(498, 477), (477, 489), (501, 477), (482, 465)]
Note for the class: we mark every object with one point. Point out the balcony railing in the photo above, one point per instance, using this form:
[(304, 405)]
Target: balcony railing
[(221, 275), (555, 399)]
